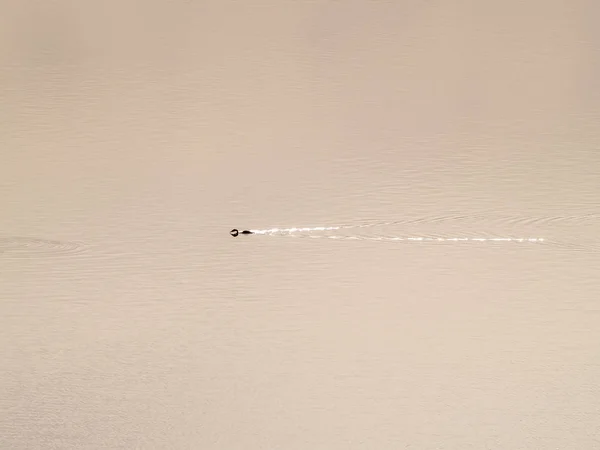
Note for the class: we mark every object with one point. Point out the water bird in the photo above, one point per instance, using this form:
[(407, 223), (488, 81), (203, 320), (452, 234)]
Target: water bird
[(235, 232)]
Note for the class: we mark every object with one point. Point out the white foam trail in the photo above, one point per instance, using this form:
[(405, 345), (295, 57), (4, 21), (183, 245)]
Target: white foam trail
[(427, 239), (290, 231), (293, 230)]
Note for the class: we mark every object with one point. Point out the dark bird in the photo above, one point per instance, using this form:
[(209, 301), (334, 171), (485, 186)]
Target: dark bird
[(235, 232)]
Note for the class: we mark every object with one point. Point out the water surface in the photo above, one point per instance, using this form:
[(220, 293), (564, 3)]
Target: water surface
[(133, 139)]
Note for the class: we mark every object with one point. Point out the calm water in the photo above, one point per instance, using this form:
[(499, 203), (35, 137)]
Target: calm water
[(134, 138)]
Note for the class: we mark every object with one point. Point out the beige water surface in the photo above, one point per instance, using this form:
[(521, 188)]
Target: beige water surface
[(135, 135)]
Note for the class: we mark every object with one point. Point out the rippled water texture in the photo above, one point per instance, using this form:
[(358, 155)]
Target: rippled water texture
[(20, 246), (422, 181)]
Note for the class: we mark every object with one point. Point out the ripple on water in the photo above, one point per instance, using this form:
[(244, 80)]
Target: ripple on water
[(487, 220), (22, 247)]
